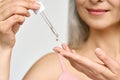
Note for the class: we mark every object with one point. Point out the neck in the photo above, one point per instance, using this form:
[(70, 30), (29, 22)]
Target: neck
[(107, 39)]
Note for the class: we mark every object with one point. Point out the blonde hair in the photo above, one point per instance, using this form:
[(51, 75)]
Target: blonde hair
[(78, 31)]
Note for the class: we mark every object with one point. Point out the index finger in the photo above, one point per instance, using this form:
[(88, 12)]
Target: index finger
[(109, 62), (10, 8), (29, 4)]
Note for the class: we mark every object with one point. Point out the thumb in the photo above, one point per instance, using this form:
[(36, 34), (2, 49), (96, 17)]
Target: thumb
[(16, 28)]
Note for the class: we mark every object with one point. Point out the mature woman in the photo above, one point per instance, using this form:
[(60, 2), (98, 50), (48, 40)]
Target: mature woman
[(95, 38), (93, 51)]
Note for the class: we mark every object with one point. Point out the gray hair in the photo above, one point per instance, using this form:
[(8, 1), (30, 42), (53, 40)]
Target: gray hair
[(78, 31)]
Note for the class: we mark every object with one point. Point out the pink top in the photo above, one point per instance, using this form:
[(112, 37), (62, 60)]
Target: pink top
[(65, 75)]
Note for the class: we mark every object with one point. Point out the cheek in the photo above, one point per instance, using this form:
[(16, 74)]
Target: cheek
[(80, 5), (79, 2), (116, 9), (115, 3)]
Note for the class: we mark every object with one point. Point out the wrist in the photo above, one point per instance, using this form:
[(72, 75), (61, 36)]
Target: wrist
[(5, 52), (5, 57)]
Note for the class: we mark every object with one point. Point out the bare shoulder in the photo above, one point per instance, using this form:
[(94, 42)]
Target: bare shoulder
[(46, 68)]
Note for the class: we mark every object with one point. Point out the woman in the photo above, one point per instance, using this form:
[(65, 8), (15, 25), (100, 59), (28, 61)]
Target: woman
[(94, 26), (101, 30)]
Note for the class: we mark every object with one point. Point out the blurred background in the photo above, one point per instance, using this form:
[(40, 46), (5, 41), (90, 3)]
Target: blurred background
[(35, 39)]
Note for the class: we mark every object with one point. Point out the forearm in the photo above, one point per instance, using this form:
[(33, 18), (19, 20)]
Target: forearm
[(5, 56)]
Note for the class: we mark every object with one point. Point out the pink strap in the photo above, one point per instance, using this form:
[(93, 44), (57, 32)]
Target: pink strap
[(61, 62)]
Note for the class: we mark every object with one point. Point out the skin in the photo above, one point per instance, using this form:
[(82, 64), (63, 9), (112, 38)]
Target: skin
[(98, 59), (12, 15), (108, 70), (95, 63)]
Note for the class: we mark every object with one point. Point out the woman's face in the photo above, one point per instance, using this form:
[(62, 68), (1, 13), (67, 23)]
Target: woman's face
[(99, 14)]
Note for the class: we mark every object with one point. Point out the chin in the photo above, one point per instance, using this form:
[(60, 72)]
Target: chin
[(99, 25)]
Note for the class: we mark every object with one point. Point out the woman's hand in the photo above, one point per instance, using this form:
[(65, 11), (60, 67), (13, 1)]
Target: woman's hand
[(8, 29), (20, 7), (12, 15), (109, 70)]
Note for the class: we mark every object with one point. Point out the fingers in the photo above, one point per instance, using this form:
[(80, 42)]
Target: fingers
[(109, 62), (18, 10), (21, 11), (65, 47), (11, 7), (94, 68), (57, 49), (27, 4), (15, 19), (10, 22)]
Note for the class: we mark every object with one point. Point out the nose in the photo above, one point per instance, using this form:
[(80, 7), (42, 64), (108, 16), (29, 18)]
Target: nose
[(96, 1)]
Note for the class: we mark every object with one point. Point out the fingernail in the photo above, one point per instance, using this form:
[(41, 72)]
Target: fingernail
[(98, 51), (36, 5)]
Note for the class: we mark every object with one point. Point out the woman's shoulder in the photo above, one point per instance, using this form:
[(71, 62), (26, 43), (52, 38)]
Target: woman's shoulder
[(46, 68)]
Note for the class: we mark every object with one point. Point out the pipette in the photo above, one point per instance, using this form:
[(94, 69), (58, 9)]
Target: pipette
[(42, 13)]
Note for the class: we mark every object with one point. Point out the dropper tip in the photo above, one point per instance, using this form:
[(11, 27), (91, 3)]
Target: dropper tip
[(57, 38)]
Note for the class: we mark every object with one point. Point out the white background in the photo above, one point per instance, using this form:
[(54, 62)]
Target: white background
[(35, 38)]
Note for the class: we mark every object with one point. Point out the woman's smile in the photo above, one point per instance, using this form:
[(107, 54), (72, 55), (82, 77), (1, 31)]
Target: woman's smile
[(100, 15), (97, 12)]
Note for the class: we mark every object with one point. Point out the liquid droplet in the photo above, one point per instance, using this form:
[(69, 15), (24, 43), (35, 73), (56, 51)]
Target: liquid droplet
[(57, 39)]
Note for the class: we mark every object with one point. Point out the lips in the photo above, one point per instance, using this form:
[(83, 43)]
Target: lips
[(97, 11)]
